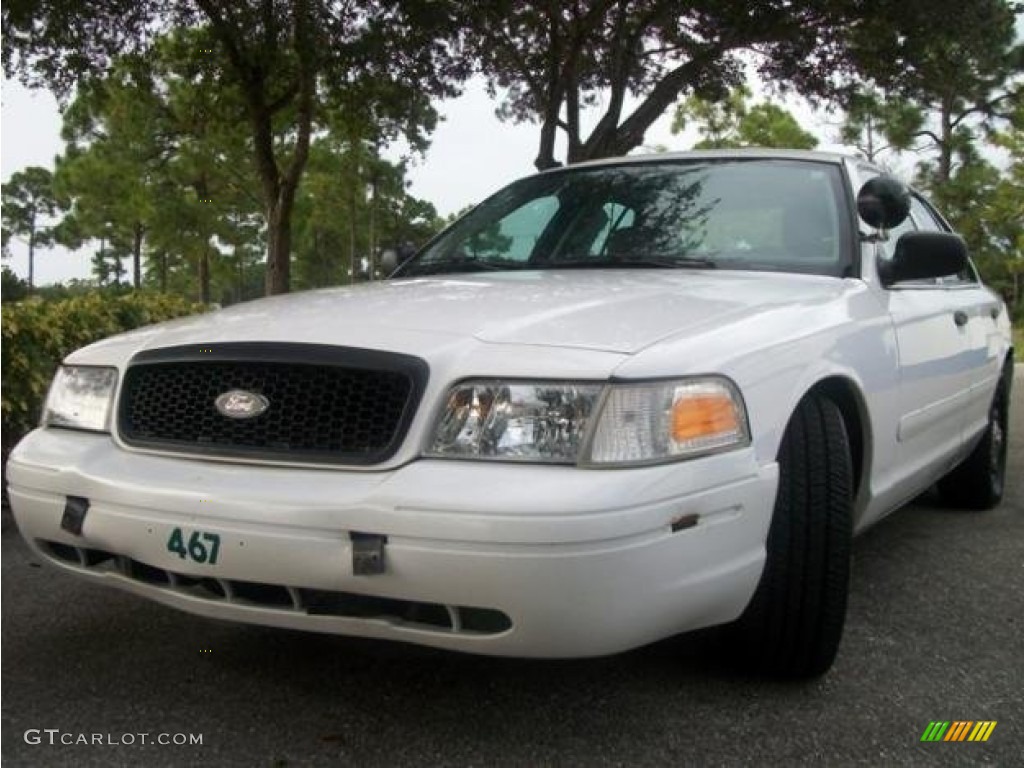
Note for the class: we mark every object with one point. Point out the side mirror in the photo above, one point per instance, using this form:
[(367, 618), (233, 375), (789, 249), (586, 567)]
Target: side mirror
[(388, 261), (883, 202), (921, 255)]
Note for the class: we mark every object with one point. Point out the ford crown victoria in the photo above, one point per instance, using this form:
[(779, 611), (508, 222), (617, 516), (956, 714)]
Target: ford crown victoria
[(614, 402)]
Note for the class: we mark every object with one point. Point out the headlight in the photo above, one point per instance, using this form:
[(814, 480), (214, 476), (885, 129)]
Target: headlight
[(80, 398), (657, 421), (513, 421), (590, 424)]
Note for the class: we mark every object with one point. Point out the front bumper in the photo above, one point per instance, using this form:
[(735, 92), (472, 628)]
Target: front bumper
[(524, 560)]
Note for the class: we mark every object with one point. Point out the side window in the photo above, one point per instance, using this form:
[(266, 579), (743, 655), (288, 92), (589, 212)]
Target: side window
[(929, 223), (889, 246), (925, 221)]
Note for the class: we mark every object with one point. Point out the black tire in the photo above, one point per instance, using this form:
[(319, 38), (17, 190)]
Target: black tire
[(794, 622), (978, 482)]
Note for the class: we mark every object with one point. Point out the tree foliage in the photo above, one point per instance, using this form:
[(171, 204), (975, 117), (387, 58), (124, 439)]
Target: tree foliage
[(986, 205), (950, 96), (288, 61), (157, 168), (733, 122), (939, 91), (12, 288), (29, 205), (630, 60)]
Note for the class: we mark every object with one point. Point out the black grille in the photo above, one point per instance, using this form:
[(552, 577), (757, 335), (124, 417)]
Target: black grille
[(324, 403)]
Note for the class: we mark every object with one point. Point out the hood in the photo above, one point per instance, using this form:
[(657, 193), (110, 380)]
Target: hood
[(602, 310)]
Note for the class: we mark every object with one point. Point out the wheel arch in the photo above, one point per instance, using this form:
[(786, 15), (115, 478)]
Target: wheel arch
[(849, 398)]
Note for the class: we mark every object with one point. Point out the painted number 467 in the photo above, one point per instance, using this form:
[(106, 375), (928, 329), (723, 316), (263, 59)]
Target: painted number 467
[(201, 546)]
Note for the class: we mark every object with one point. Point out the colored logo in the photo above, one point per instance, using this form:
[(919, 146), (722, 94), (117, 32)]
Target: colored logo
[(958, 730), (240, 404)]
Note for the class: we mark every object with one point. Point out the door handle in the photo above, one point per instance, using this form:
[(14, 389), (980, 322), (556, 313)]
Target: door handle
[(960, 318), (995, 312)]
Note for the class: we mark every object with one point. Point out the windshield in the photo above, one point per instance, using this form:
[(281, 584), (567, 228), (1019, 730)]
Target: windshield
[(776, 215)]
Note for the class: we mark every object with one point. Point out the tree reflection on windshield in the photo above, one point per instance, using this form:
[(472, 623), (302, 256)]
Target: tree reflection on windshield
[(778, 215)]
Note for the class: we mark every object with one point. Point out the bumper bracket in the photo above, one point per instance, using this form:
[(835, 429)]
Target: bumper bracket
[(73, 518), (368, 554)]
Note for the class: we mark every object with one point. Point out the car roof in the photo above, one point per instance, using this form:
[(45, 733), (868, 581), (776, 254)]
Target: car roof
[(728, 154)]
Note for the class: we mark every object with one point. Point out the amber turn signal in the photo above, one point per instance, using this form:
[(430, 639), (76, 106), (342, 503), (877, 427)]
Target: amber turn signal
[(697, 416)]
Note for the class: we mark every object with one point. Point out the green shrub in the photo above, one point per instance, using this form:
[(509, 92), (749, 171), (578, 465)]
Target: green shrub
[(38, 334)]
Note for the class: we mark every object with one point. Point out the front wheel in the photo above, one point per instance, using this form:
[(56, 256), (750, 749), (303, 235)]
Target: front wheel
[(794, 622), (978, 482)]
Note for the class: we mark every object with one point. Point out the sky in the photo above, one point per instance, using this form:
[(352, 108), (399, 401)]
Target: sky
[(472, 155)]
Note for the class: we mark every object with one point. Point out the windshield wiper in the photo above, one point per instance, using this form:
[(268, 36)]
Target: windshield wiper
[(450, 266), (645, 262)]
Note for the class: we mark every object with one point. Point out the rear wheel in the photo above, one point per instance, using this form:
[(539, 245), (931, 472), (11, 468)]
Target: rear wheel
[(794, 622), (978, 482)]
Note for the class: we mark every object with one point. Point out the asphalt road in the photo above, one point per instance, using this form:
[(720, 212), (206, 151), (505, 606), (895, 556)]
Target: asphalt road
[(935, 631)]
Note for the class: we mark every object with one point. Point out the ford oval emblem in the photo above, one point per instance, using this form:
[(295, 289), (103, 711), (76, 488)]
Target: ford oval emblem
[(241, 404)]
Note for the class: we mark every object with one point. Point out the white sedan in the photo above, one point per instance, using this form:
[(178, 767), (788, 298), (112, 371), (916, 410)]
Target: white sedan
[(614, 402)]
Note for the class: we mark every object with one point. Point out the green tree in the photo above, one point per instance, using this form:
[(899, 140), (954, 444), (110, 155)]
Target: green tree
[(718, 120), (29, 206), (990, 211), (12, 288), (942, 91), (732, 122), (351, 206), (874, 122), (551, 60), (288, 59), (157, 157), (633, 59), (157, 165)]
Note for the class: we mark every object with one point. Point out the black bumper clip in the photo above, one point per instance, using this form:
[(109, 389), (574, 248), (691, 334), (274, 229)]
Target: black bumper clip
[(368, 554), (74, 514)]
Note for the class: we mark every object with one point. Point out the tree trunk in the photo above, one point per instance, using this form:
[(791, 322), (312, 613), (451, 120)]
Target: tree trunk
[(279, 245), (31, 256), (163, 271), (371, 247), (239, 258), (946, 146), (869, 127), (204, 274), (611, 139), (546, 153), (137, 255), (352, 234), (103, 275)]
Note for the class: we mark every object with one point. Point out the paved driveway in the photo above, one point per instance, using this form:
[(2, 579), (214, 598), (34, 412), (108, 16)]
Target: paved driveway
[(935, 631)]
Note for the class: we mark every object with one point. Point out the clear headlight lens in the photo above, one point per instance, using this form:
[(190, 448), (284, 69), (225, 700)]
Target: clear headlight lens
[(80, 398), (656, 421), (590, 424), (515, 421)]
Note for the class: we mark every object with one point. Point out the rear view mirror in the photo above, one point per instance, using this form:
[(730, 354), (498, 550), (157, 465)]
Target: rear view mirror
[(883, 202), (922, 255)]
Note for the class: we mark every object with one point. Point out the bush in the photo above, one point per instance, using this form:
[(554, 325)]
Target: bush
[(12, 287), (38, 334)]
